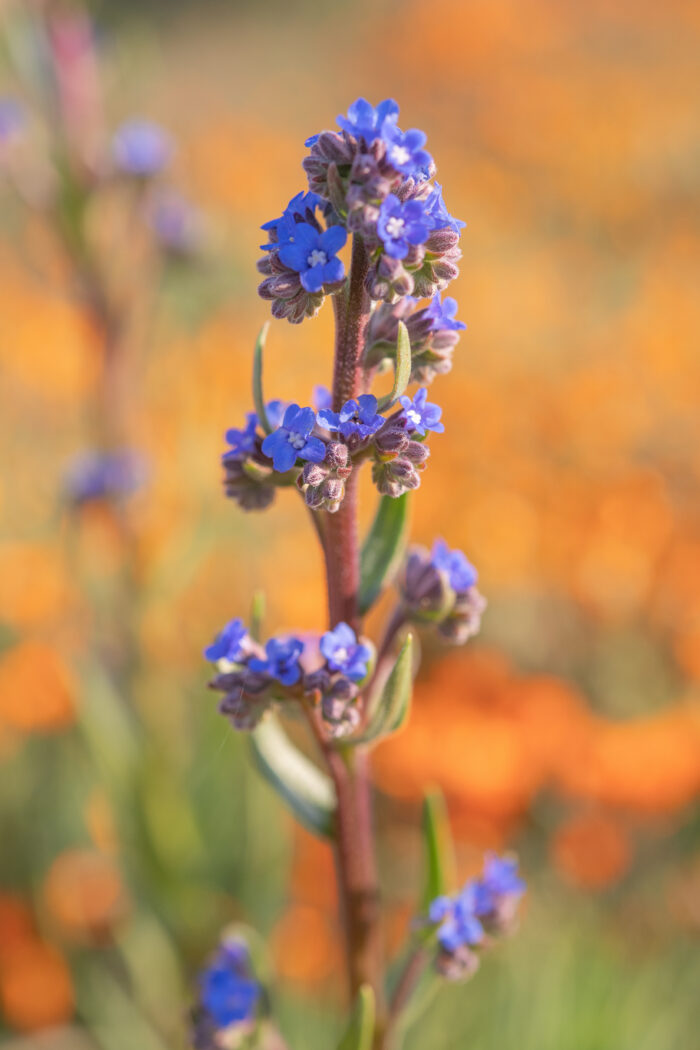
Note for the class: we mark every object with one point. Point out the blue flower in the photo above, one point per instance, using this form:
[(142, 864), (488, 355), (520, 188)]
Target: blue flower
[(323, 398), (369, 122), (303, 202), (229, 643), (460, 572), (293, 440), (12, 118), (242, 441), (443, 315), (313, 255), (404, 150), (229, 994), (100, 475), (282, 660), (458, 920), (355, 417), (401, 225), (499, 882), (140, 147), (421, 415), (344, 653), (438, 213)]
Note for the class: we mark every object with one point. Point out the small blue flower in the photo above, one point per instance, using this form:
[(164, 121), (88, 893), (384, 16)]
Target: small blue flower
[(438, 213), (142, 148), (404, 150), (282, 660), (344, 653), (293, 440), (443, 315), (459, 923), (460, 572), (401, 225), (499, 881), (242, 441), (12, 118), (322, 398), (421, 415), (229, 643), (355, 417), (303, 202), (367, 121), (100, 475), (229, 994), (313, 255)]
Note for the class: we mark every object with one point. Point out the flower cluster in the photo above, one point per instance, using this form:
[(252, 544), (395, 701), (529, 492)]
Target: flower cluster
[(439, 587), (253, 678), (433, 331), (229, 1000), (484, 909)]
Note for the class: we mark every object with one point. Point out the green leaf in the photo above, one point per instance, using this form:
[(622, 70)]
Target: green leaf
[(361, 1029), (258, 399), (306, 790), (391, 710), (440, 864), (257, 615), (402, 369), (383, 549)]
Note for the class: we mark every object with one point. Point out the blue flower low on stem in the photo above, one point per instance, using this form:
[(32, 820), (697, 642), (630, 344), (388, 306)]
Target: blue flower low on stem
[(443, 315), (229, 998), (293, 440), (401, 225), (141, 148), (421, 415), (242, 440), (229, 643), (357, 416), (458, 920), (313, 255), (282, 660), (439, 215), (344, 653), (460, 572), (303, 206)]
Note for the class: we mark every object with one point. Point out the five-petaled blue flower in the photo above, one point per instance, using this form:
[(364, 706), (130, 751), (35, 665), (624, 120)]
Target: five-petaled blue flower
[(401, 225), (459, 924), (367, 121), (282, 660), (421, 415), (443, 314), (404, 150), (293, 440), (299, 205), (355, 417), (461, 573), (438, 213), (344, 653), (140, 147), (229, 643), (228, 992), (313, 254), (242, 440)]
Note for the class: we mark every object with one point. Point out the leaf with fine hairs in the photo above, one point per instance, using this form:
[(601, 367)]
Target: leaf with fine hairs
[(383, 549), (258, 399), (402, 369)]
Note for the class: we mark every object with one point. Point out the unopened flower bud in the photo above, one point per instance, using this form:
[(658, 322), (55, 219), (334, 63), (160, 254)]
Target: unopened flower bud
[(314, 473)]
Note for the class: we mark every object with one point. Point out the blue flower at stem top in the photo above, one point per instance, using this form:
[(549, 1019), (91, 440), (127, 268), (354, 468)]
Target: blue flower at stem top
[(443, 314), (421, 415), (344, 653), (282, 660), (401, 225), (313, 255), (293, 440), (140, 147), (367, 121), (438, 213), (229, 995), (355, 417), (460, 572), (229, 643), (404, 150)]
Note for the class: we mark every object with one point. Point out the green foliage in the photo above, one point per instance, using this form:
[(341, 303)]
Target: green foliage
[(383, 549), (258, 399), (440, 866), (402, 369), (390, 712), (361, 1029)]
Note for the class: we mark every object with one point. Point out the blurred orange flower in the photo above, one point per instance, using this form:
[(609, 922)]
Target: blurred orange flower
[(37, 689), (36, 990), (591, 850), (84, 895)]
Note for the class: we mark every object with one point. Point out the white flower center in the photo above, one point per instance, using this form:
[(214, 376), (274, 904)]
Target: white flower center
[(395, 227), (413, 417), (400, 155), (340, 655), (296, 440), (317, 258)]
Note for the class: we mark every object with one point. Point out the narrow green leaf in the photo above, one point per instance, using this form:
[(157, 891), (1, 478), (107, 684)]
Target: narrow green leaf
[(391, 710), (440, 864), (383, 549), (402, 368), (306, 790), (360, 1031), (257, 615), (258, 399)]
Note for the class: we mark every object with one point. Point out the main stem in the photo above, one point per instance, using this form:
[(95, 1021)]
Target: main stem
[(355, 857)]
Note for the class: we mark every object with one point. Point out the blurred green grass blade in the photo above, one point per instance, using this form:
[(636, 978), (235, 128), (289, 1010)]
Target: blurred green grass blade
[(303, 787), (383, 549), (440, 866), (258, 398), (391, 710), (107, 725), (361, 1029), (257, 615)]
